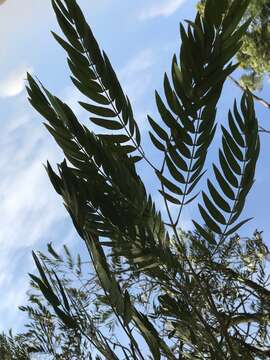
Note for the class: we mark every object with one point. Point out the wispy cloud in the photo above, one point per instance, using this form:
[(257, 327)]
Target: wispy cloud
[(136, 74), (13, 83), (31, 212), (141, 62), (161, 8)]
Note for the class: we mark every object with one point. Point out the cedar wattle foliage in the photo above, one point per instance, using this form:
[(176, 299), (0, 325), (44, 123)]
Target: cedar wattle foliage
[(254, 54), (174, 295)]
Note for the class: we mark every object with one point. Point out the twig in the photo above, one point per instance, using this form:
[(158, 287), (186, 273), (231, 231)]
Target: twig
[(263, 130), (256, 97)]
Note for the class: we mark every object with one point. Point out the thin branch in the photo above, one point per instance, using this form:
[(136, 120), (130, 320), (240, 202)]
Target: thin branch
[(255, 97), (263, 130), (248, 318)]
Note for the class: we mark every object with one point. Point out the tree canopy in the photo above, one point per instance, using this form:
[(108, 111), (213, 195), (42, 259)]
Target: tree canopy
[(153, 290)]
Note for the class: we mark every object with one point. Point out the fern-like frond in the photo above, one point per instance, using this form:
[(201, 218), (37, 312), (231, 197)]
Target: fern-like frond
[(189, 115), (235, 177), (94, 77)]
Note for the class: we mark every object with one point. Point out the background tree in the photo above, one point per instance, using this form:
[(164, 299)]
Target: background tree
[(254, 55), (45, 334), (230, 279), (14, 348), (200, 300)]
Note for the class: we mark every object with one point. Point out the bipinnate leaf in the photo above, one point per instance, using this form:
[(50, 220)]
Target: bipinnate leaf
[(235, 178), (187, 125)]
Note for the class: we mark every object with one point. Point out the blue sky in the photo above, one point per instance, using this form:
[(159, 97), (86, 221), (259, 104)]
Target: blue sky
[(140, 38)]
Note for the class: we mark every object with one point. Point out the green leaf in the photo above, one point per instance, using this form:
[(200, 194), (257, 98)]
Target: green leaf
[(40, 269), (165, 114), (238, 34), (170, 96), (200, 162), (63, 293), (194, 183), (157, 143), (233, 17), (183, 149), (229, 175), (195, 174), (238, 117), (236, 227), (232, 144), (149, 333), (219, 200), (128, 148), (180, 134), (213, 211), (55, 180), (64, 10), (170, 198), (120, 138), (128, 311), (206, 235), (236, 168), (66, 319), (223, 184), (67, 28), (74, 54), (177, 158), (137, 134), (176, 174), (107, 124), (168, 184), (204, 137), (159, 131), (136, 159), (209, 221), (82, 73), (235, 131), (46, 291), (87, 88), (100, 111)]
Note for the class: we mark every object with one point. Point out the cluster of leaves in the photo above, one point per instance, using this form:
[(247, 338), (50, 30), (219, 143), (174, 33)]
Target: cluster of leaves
[(80, 291), (174, 291), (237, 280), (14, 348), (45, 334), (254, 55)]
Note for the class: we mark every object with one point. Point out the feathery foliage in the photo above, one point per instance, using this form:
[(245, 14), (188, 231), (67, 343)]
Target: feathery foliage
[(14, 348), (200, 303)]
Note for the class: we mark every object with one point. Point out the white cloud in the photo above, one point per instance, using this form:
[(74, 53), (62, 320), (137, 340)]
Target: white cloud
[(161, 8), (28, 204), (14, 83), (32, 213), (71, 96), (136, 74), (143, 61)]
